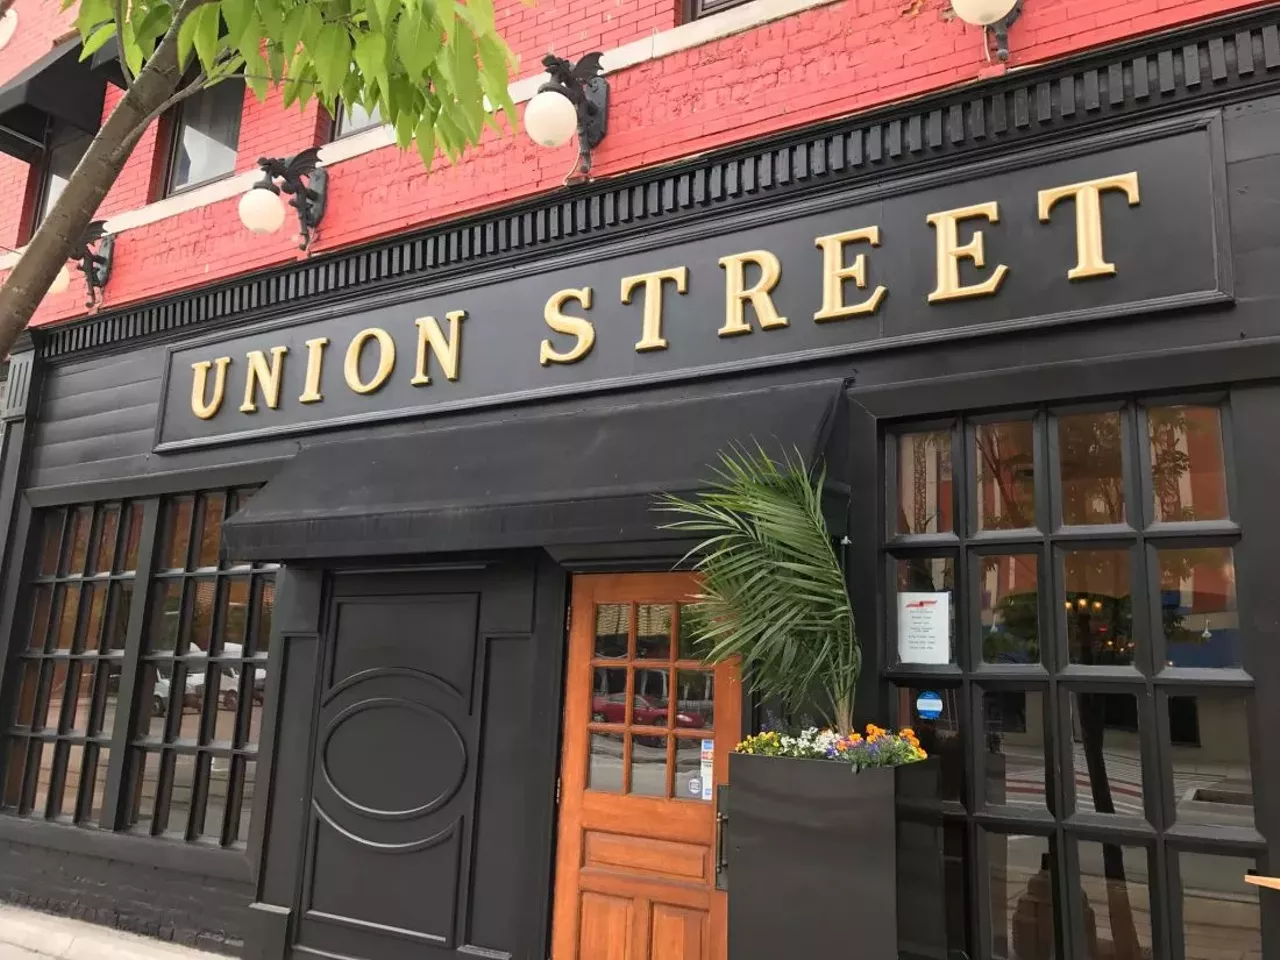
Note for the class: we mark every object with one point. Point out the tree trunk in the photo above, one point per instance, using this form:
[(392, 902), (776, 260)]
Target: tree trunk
[(65, 224)]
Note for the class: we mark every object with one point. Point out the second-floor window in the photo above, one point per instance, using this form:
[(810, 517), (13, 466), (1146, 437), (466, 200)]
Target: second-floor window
[(66, 147), (353, 119), (206, 133)]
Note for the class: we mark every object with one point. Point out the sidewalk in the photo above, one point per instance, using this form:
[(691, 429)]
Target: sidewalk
[(29, 935)]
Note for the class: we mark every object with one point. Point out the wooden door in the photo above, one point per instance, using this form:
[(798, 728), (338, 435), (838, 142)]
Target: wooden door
[(647, 735)]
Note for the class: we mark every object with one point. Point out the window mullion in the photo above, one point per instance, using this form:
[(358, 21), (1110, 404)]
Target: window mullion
[(126, 719)]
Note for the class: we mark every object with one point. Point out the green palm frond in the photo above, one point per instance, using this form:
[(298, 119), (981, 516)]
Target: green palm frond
[(773, 592)]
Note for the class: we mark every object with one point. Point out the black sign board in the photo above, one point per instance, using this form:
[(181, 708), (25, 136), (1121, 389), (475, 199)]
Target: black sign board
[(1130, 223)]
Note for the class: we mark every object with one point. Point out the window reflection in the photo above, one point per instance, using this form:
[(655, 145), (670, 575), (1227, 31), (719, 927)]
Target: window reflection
[(1220, 913), (1198, 605), (1099, 607), (1020, 883), (60, 162), (1106, 754), (1115, 888), (1188, 466), (206, 135), (1212, 769), (1091, 462), (1009, 606), (1005, 460), (1013, 739), (924, 483)]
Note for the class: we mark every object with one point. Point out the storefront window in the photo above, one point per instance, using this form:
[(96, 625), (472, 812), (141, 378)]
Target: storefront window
[(1086, 593), (197, 663)]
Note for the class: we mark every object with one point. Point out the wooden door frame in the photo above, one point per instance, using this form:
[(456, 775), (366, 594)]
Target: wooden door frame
[(579, 634)]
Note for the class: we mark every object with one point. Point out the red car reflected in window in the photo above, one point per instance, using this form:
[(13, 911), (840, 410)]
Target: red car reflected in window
[(612, 708)]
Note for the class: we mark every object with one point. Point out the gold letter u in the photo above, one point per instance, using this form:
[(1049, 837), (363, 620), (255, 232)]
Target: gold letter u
[(199, 385)]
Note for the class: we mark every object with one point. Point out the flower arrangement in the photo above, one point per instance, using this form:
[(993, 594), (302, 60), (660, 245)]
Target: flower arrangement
[(876, 748)]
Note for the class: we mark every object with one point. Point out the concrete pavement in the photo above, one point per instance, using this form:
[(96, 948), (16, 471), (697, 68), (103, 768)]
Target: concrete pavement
[(29, 935)]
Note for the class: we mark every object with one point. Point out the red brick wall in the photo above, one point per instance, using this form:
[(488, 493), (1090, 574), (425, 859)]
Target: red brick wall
[(830, 61)]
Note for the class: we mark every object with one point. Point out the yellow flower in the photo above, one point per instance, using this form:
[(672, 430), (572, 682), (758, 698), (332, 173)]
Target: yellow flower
[(923, 755), (906, 732)]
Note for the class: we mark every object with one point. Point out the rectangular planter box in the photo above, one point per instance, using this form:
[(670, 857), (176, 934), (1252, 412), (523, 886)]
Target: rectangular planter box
[(811, 856)]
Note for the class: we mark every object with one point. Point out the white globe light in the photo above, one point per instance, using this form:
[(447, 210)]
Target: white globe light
[(62, 282), (983, 13), (8, 26), (262, 210), (550, 119)]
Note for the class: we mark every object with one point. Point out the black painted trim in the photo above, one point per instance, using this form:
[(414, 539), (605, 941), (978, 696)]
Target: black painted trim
[(1207, 65), (176, 855)]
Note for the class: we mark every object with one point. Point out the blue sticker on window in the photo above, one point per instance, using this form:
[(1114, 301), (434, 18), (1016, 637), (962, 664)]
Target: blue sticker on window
[(929, 705)]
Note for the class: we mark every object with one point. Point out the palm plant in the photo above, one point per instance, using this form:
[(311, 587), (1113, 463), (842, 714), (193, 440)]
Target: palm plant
[(773, 592)]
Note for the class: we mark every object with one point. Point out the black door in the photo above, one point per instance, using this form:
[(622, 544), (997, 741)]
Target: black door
[(428, 802)]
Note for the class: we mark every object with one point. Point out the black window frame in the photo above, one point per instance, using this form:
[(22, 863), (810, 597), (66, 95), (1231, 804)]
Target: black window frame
[(174, 142), (131, 738), (964, 681), (701, 9), (44, 169), (338, 129)]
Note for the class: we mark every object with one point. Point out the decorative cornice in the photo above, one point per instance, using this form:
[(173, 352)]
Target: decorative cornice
[(1211, 63)]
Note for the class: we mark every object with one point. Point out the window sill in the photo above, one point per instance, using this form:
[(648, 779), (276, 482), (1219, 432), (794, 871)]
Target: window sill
[(158, 852), (198, 184)]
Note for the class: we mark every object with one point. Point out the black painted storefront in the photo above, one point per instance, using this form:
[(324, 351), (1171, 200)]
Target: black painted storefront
[(472, 499)]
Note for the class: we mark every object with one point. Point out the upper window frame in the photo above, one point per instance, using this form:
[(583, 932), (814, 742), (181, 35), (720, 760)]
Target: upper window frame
[(174, 142)]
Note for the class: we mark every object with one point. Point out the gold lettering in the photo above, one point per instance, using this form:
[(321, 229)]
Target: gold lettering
[(560, 322), (736, 296), (834, 273), (951, 252), (1088, 197), (652, 338), (386, 359), (315, 358), (431, 339), (264, 375), (199, 383)]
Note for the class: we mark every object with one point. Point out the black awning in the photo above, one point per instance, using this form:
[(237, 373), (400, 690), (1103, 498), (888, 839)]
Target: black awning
[(584, 477), (57, 87)]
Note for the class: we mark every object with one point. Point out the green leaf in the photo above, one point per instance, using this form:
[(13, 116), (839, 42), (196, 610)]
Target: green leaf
[(495, 58), (332, 55), (97, 39), (237, 14), (293, 25), (205, 36), (272, 14), (383, 12), (466, 80), (405, 126), (312, 24), (418, 40), (370, 54), (481, 15), (187, 36), (93, 14), (299, 82), (132, 51), (426, 137)]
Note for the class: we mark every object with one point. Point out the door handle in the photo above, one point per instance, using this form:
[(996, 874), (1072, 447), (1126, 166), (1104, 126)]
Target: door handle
[(721, 864), (1271, 883)]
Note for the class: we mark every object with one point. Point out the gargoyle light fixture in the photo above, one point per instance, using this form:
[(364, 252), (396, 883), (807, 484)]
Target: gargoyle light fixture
[(262, 210), (93, 254), (994, 15), (576, 99)]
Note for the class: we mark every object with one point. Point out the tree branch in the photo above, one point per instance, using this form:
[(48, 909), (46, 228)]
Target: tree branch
[(194, 87), (124, 61)]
